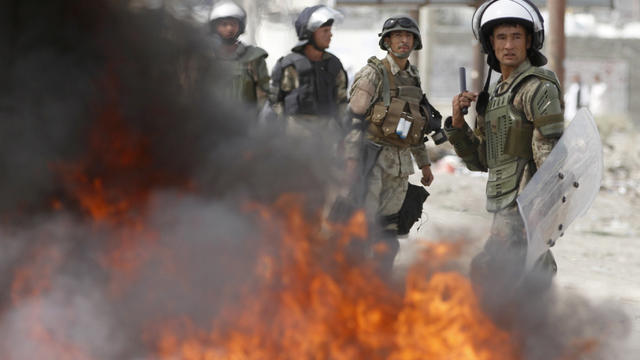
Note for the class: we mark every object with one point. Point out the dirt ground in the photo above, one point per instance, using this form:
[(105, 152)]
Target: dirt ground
[(598, 257)]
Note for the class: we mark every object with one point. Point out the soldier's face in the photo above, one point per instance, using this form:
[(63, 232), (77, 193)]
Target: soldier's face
[(322, 37), (227, 28), (401, 42), (510, 44)]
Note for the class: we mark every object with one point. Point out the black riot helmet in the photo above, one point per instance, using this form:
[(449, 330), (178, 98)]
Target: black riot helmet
[(311, 19), (400, 23)]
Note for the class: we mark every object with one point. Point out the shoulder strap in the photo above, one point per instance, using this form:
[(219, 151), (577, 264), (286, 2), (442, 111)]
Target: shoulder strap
[(540, 73), (253, 53), (300, 62), (388, 82), (546, 75)]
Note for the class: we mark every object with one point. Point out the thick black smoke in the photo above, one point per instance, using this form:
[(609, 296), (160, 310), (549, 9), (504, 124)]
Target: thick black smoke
[(68, 67)]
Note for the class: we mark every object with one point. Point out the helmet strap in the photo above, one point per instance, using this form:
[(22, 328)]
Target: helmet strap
[(401, 56), (492, 61), (312, 42), (483, 97)]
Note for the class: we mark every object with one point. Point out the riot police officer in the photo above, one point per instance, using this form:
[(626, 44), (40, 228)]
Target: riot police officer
[(245, 64), (520, 119), (309, 85)]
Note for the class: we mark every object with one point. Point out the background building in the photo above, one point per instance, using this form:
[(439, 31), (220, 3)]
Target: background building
[(602, 41)]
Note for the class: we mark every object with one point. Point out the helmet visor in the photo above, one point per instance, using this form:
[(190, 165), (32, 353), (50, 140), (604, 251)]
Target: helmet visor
[(227, 9), (496, 9), (477, 18), (321, 16)]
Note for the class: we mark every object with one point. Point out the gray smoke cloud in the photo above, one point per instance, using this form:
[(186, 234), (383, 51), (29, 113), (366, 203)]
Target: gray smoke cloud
[(79, 288)]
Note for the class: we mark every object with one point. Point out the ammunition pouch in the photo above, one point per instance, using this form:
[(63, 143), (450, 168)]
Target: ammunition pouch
[(398, 118), (384, 120)]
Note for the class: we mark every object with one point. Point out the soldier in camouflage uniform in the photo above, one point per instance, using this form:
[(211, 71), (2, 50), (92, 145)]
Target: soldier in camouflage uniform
[(520, 119), (309, 86), (386, 93), (245, 64)]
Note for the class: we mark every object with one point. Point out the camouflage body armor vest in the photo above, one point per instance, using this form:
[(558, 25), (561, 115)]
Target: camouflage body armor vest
[(508, 141), (401, 103), (243, 85)]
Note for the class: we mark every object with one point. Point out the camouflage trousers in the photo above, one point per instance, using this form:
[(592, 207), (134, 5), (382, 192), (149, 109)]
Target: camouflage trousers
[(498, 270), (385, 195)]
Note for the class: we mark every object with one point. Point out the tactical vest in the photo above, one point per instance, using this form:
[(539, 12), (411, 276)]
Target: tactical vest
[(400, 103), (243, 84), (317, 91), (508, 141)]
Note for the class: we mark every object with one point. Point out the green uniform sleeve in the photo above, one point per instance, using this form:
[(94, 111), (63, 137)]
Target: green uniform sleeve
[(544, 108), (467, 145), (262, 81)]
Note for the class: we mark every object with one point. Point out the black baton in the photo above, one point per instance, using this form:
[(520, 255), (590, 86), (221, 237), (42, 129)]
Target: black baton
[(462, 74)]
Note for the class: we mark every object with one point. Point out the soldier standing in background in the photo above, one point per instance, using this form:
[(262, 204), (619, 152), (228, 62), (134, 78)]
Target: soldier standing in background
[(391, 117), (309, 86), (244, 63)]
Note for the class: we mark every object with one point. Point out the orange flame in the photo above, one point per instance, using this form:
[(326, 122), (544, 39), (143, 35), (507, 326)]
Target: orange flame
[(309, 299), (111, 181), (307, 306)]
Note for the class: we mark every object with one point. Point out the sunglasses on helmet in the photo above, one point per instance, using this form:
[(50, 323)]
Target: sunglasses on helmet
[(402, 21)]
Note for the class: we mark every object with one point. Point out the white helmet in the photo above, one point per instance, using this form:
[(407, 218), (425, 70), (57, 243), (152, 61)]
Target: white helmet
[(311, 19), (495, 12), (228, 9)]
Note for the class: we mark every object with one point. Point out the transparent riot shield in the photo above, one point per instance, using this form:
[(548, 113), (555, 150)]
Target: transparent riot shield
[(564, 186)]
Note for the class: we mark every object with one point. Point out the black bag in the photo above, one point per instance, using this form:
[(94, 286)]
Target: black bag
[(411, 209)]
